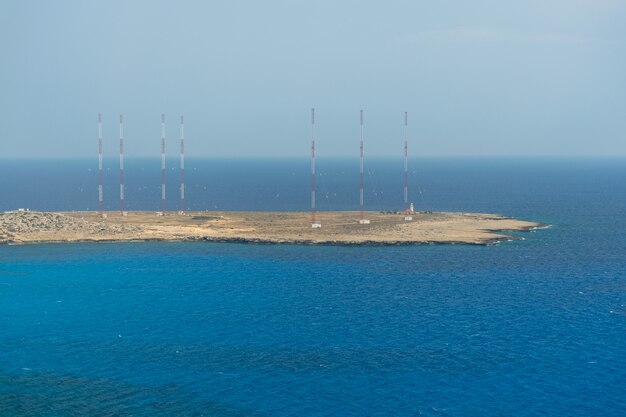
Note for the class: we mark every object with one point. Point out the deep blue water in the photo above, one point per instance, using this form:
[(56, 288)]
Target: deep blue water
[(526, 328)]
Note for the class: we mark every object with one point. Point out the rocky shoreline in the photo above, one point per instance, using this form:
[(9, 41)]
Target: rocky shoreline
[(19, 223)]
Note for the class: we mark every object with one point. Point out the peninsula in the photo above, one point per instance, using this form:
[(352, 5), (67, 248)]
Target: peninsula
[(338, 228)]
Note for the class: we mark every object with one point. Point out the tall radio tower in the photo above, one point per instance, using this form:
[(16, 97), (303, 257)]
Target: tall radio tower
[(314, 223), (407, 212), (362, 219), (182, 164), (100, 163), (163, 163), (122, 212)]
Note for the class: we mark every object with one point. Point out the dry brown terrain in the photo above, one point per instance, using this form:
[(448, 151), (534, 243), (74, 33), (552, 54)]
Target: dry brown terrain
[(338, 228)]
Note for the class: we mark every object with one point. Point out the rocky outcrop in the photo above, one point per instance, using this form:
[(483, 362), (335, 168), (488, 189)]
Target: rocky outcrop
[(24, 222)]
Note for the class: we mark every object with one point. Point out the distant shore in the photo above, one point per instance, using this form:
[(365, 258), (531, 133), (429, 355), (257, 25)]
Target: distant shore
[(337, 228)]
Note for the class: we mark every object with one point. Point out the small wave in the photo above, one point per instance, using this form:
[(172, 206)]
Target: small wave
[(545, 226)]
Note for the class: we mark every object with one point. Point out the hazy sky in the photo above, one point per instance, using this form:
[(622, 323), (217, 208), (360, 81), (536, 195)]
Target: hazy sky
[(481, 77)]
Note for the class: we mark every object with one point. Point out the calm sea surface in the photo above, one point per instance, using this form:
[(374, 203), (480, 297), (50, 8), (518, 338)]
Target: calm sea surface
[(526, 328)]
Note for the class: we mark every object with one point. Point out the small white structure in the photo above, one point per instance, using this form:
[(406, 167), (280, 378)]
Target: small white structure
[(316, 225), (159, 214), (104, 215), (181, 213), (125, 214), (408, 214), (364, 221)]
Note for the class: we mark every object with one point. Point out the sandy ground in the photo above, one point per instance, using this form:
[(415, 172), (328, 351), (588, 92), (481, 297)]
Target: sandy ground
[(338, 228)]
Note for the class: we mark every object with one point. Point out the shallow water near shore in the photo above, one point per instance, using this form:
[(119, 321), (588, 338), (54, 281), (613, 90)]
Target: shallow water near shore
[(531, 327)]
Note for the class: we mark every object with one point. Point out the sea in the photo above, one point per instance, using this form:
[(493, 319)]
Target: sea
[(530, 327)]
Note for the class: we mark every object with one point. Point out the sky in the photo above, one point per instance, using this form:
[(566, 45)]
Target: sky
[(478, 78)]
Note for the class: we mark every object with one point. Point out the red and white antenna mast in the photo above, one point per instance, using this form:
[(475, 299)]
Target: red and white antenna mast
[(362, 219), (100, 163), (182, 164), (314, 223), (122, 212), (162, 163), (407, 212)]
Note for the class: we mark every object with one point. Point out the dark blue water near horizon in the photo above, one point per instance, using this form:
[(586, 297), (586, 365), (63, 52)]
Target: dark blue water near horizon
[(524, 328)]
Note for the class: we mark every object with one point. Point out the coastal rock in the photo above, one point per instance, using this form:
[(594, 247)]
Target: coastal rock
[(15, 223)]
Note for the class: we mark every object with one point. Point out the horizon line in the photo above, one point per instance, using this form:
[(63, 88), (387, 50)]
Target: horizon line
[(342, 156)]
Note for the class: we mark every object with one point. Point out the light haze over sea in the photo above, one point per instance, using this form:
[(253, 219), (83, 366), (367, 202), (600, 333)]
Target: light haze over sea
[(486, 77), (515, 108)]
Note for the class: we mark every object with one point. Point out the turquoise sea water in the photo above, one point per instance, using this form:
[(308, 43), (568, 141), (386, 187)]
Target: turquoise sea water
[(525, 328)]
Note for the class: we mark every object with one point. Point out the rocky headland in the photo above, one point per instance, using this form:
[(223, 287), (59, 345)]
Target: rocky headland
[(338, 228)]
